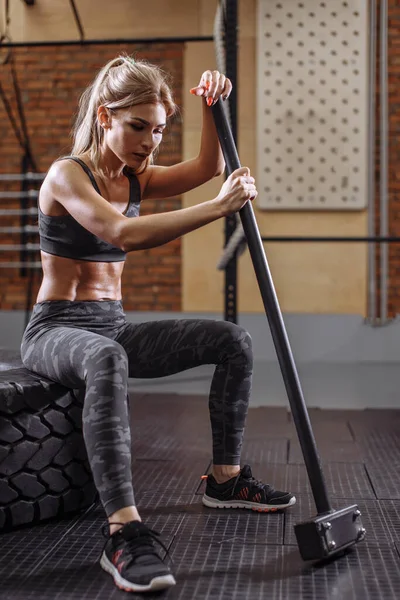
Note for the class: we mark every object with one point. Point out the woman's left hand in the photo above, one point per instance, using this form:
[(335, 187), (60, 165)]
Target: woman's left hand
[(212, 86)]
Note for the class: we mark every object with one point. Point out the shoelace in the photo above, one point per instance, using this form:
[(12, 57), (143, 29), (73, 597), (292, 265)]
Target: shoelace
[(253, 482), (142, 540)]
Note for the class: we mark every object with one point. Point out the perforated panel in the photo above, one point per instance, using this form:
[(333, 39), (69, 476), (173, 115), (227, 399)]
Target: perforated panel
[(312, 104)]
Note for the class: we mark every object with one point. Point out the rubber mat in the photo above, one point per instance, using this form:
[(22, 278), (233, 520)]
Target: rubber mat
[(167, 405), (233, 554), (179, 423), (248, 572), (70, 571), (151, 506), (329, 415), (333, 426), (343, 480), (381, 446), (168, 447), (207, 569), (332, 431), (69, 566), (165, 524), (348, 452), (154, 476), (391, 513), (233, 526), (385, 479), (264, 451), (22, 549), (397, 545), (366, 421), (271, 422), (372, 516)]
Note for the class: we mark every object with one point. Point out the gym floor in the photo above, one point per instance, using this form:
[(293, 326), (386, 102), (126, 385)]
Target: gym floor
[(231, 554)]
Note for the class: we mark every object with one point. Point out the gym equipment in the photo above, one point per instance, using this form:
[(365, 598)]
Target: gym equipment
[(330, 531), (44, 469)]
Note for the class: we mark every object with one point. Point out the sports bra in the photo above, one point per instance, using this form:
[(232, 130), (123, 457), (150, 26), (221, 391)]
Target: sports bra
[(64, 236)]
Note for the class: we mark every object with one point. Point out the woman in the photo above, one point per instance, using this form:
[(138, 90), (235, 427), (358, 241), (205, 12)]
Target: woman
[(78, 334)]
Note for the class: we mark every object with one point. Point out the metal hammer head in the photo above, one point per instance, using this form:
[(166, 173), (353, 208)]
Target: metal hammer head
[(330, 533)]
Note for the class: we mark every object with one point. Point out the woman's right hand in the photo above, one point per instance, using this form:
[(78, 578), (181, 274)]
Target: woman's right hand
[(236, 191)]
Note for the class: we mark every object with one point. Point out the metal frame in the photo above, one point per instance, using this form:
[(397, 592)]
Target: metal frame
[(384, 159), (103, 42), (77, 20), (372, 309), (231, 43), (370, 239)]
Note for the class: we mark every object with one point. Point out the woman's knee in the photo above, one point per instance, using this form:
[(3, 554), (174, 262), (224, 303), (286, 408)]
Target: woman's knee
[(108, 355), (236, 340)]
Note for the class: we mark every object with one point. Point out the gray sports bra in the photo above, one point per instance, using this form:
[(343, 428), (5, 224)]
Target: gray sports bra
[(64, 236)]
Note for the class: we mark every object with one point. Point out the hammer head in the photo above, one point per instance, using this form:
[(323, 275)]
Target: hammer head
[(330, 533)]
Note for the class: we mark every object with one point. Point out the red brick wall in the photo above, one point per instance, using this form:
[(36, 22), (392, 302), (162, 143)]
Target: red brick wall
[(394, 156), (393, 289), (51, 80)]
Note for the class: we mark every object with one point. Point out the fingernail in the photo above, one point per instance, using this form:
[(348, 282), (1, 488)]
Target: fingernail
[(193, 90), (207, 85), (209, 101)]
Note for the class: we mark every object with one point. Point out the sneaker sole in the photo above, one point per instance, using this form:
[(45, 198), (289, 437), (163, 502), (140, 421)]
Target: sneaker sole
[(158, 583), (213, 503)]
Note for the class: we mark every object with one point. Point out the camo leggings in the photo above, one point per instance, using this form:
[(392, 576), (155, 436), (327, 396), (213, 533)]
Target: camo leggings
[(90, 345)]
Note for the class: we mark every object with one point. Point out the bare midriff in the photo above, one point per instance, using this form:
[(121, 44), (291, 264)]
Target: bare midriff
[(79, 280)]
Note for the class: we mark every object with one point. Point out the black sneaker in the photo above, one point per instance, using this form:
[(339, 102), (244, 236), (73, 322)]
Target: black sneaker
[(243, 491), (130, 556)]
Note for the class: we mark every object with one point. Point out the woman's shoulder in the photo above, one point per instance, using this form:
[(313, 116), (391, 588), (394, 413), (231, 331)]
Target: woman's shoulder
[(63, 174), (64, 165)]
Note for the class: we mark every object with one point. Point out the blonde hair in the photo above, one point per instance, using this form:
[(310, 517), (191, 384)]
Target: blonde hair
[(123, 82)]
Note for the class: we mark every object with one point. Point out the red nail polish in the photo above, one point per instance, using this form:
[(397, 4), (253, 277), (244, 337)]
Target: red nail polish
[(207, 85), (209, 101)]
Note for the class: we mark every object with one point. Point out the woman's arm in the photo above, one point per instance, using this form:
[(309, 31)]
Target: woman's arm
[(73, 190), (164, 182)]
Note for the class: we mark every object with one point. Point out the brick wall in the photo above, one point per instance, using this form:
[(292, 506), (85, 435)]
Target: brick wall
[(393, 290), (394, 156), (51, 80)]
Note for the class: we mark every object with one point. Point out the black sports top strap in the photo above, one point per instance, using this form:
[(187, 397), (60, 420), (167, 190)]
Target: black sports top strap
[(85, 168)]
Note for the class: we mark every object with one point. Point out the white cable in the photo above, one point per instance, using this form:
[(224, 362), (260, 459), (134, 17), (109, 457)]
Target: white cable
[(236, 243), (14, 212), (22, 176)]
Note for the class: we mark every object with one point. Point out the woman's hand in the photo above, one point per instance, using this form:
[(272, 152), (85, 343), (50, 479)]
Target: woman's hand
[(213, 85), (236, 191)]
